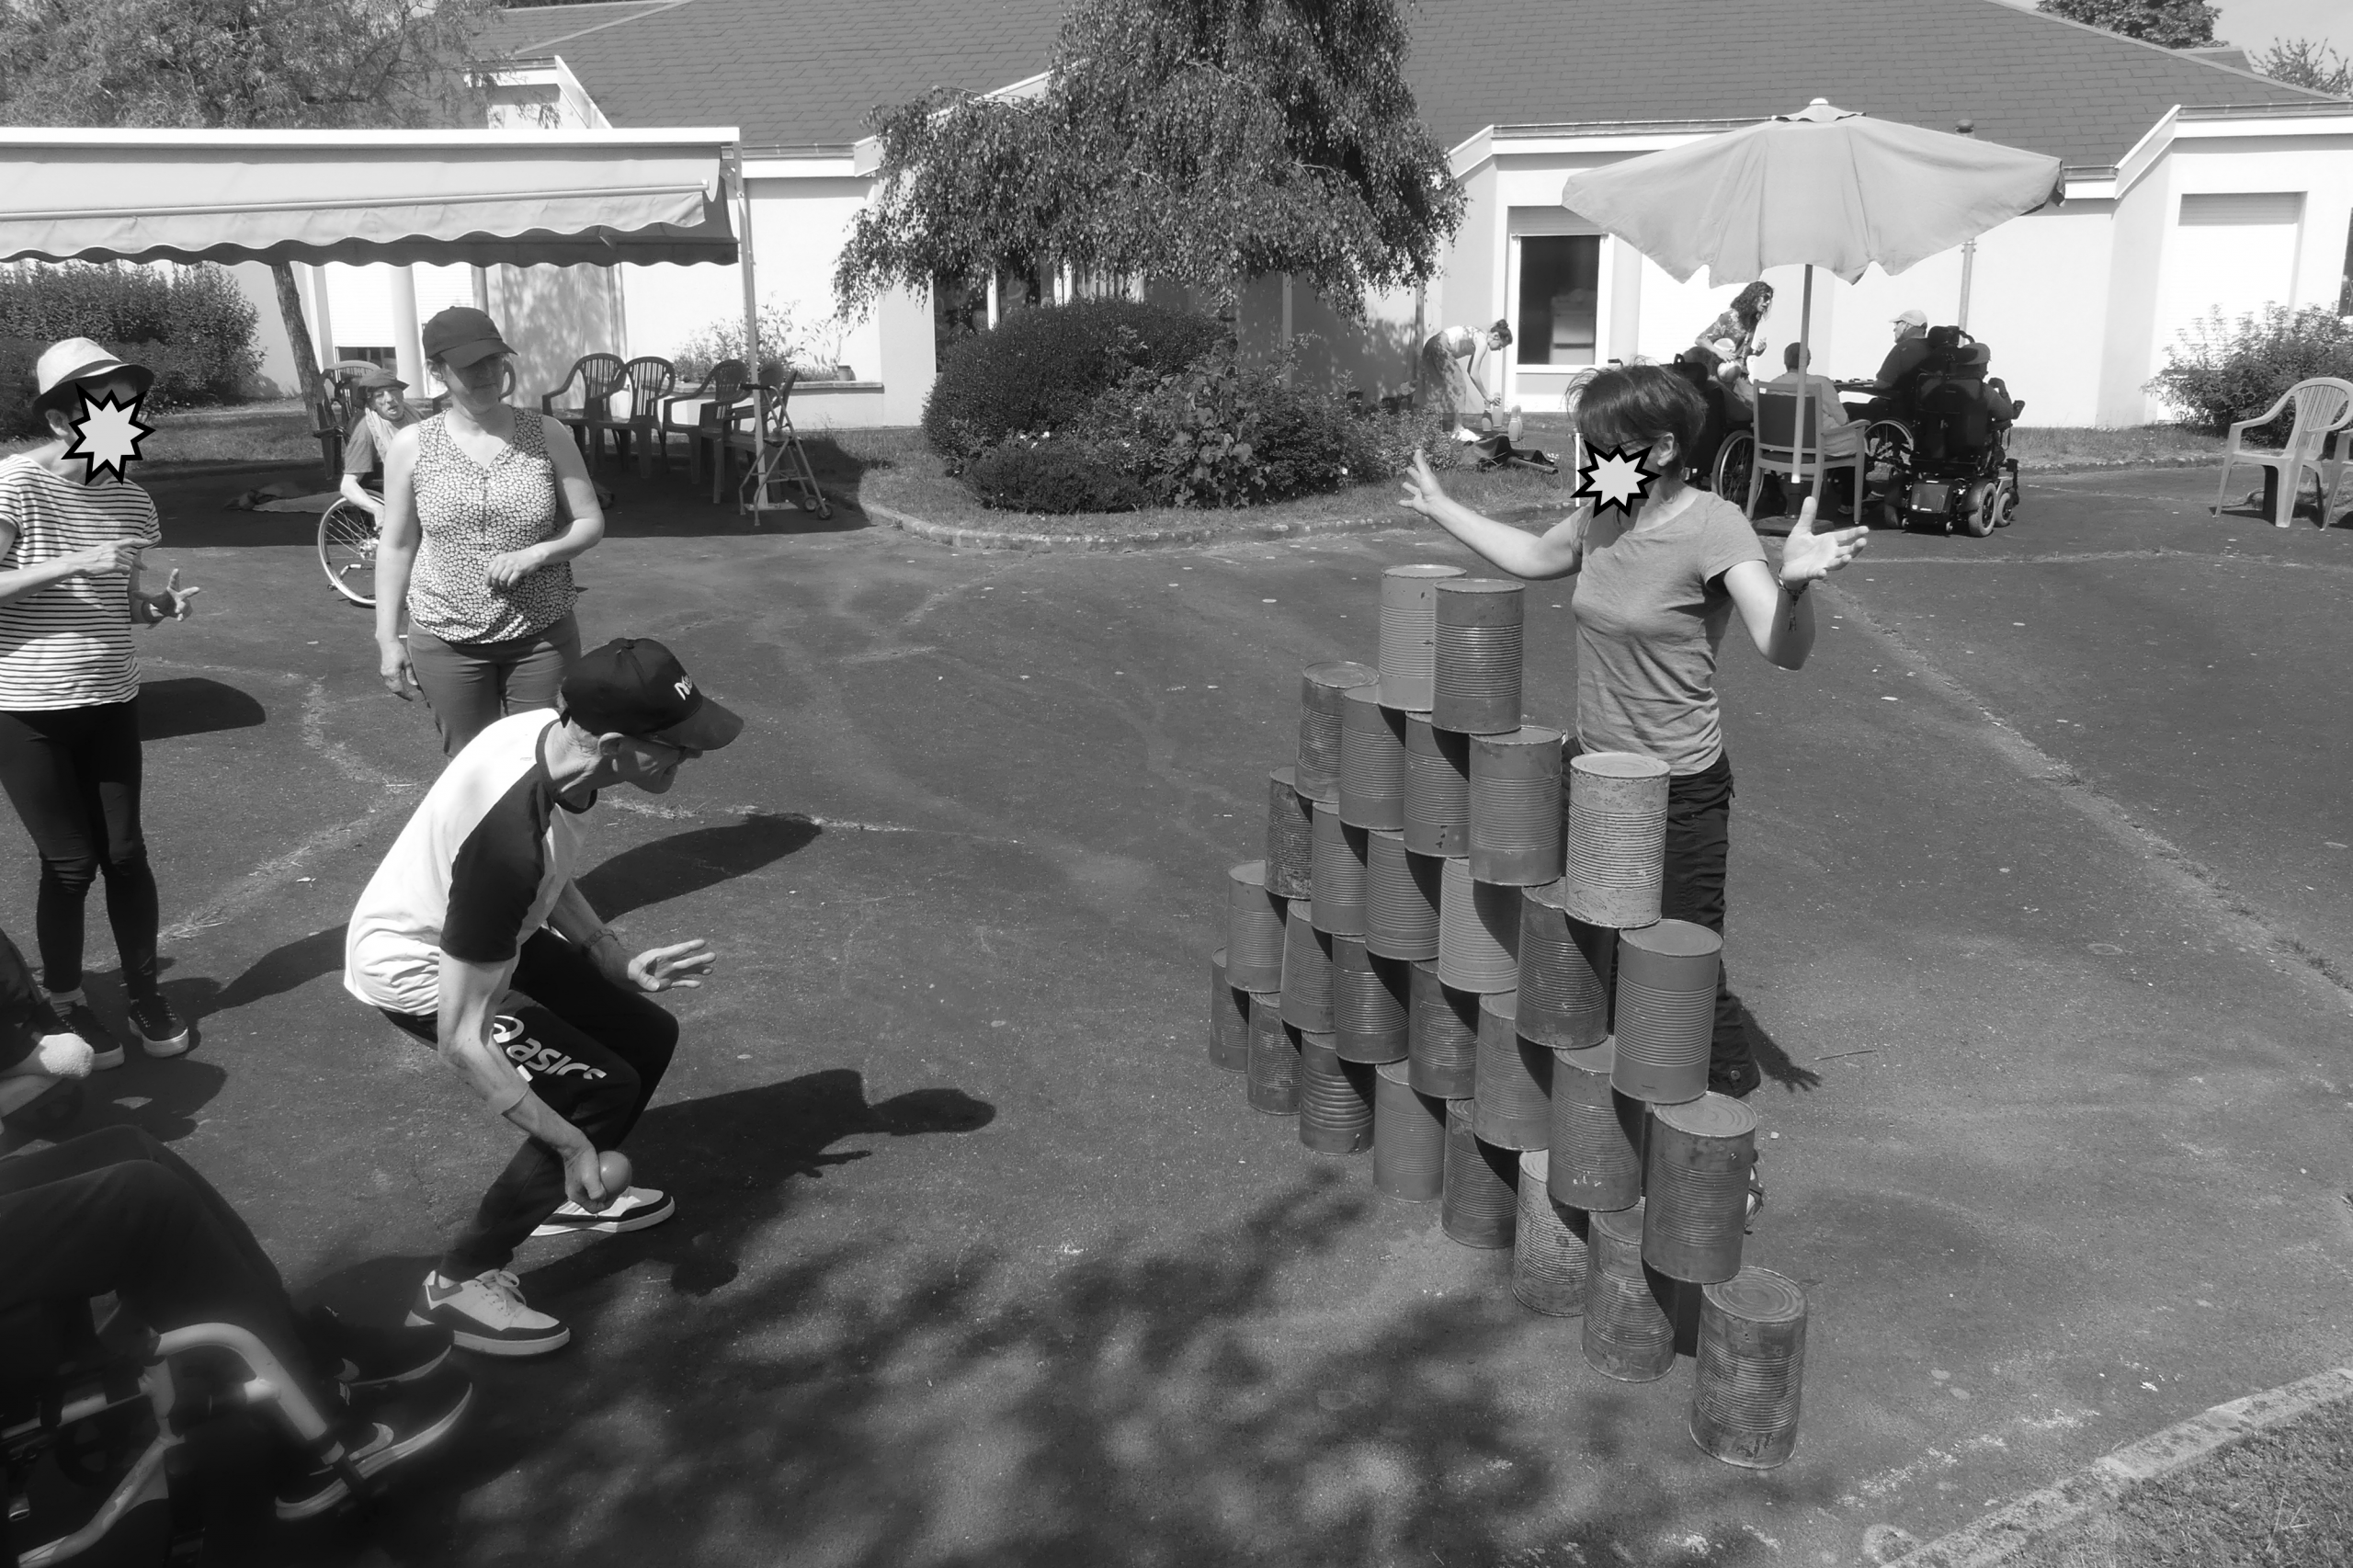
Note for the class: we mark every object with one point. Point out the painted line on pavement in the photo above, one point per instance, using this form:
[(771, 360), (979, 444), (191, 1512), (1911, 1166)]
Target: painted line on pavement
[(2002, 1535), (2069, 558)]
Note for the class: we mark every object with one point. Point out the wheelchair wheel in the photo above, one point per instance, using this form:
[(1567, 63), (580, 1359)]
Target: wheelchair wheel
[(1735, 458), (347, 551), (2009, 511), (1980, 508)]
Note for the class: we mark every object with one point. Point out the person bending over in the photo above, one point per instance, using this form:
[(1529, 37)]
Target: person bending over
[(477, 896), (1454, 364), (1655, 591)]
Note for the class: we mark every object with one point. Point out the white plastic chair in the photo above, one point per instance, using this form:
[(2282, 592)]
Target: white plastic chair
[(1802, 449), (2322, 404)]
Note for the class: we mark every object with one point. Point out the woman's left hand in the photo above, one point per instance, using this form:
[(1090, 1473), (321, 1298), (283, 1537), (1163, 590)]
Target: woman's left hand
[(1423, 492), (1809, 556), (175, 603), (511, 568)]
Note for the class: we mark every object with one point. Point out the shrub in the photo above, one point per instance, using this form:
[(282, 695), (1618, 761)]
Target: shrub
[(1051, 475), (191, 325), (1036, 369), (2223, 372), (723, 339)]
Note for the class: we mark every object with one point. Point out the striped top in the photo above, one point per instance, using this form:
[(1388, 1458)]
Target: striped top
[(465, 515), (69, 644)]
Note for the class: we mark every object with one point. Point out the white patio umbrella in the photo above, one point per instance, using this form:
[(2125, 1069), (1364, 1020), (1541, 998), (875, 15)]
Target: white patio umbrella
[(1820, 187)]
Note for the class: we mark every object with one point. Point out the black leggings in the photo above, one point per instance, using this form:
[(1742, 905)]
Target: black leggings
[(594, 1054), (1699, 839), (73, 775)]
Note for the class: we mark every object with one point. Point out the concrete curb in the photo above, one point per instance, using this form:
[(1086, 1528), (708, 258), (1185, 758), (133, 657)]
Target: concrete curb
[(1999, 1537), (1155, 539), (2117, 465)]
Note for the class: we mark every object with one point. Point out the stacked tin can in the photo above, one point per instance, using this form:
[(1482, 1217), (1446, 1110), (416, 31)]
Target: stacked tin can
[(1452, 954)]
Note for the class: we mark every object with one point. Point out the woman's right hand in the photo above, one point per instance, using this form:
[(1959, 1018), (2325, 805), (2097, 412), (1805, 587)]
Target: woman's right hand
[(100, 559), (393, 664), (1422, 492)]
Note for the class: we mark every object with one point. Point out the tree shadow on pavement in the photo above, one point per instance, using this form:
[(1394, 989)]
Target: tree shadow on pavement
[(689, 862), (192, 705), (857, 1404)]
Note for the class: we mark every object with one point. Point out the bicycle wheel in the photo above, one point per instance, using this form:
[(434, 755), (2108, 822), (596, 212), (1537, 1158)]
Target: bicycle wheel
[(347, 551)]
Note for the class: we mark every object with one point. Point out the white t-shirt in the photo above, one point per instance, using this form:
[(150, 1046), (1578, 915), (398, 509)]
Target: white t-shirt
[(68, 645), (474, 873)]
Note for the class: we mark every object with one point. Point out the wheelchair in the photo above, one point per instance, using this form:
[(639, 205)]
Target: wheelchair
[(1939, 453), (347, 537), (113, 1411)]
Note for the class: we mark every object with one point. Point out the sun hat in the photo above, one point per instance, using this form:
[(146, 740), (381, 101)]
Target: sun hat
[(462, 335), (74, 359), (1911, 315), (634, 685)]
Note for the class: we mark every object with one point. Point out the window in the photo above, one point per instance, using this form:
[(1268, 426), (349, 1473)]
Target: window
[(1560, 291), (2249, 207)]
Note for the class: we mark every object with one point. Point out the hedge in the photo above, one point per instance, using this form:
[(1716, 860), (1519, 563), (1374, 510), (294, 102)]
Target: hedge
[(191, 325)]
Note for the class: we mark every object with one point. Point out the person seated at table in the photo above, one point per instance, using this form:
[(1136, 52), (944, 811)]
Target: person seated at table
[(1839, 435), (1733, 337), (383, 414), (1910, 352)]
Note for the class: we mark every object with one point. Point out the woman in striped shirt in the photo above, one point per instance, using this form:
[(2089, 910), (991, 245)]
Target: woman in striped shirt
[(69, 694)]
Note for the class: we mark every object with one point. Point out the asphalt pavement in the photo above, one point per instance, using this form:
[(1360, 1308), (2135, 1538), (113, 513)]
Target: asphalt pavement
[(2038, 902)]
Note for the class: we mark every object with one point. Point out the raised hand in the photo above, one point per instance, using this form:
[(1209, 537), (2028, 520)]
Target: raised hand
[(680, 964), (175, 602), (1422, 492), (1809, 556)]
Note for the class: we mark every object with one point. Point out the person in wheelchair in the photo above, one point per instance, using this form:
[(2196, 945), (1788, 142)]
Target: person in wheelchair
[(1910, 352), (383, 414)]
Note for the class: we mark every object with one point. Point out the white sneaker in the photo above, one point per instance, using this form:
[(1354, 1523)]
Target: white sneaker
[(486, 1314), (632, 1211)]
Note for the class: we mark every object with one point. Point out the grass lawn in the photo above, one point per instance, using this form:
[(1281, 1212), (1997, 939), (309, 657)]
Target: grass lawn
[(272, 432), (2283, 1499)]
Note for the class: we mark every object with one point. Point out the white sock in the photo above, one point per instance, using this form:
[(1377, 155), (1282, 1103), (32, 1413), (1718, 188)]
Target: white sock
[(61, 1000)]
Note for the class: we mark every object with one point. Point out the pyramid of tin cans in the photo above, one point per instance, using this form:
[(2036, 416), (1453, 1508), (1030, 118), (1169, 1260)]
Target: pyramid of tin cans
[(1452, 955)]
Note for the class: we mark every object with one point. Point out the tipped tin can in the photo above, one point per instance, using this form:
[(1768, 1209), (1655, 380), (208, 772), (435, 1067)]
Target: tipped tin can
[(1401, 899), (1372, 761), (1548, 1266), (1271, 1080), (1629, 1310), (1322, 701), (1695, 1187), (1478, 932), (1335, 1098), (1337, 907), (1370, 1001), (1667, 1010), (1567, 967), (1307, 977), (1480, 1201), (1291, 836), (1751, 1370), (1474, 687), (1409, 633), (1443, 1042), (1617, 838), (1513, 1083), (1516, 807), (1408, 1137), (1228, 1019), (1437, 788), (1254, 929), (1595, 1134)]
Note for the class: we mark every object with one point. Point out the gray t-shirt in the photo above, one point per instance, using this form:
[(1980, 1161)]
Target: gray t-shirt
[(1651, 607)]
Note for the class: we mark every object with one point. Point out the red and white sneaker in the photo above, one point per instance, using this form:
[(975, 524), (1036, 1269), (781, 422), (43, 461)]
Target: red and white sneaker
[(632, 1211), (486, 1314)]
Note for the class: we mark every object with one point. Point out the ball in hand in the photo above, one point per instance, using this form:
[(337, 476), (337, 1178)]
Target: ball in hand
[(613, 1170)]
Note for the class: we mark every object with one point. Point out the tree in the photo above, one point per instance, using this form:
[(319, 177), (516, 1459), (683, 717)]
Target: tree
[(1192, 141), (242, 64), (2307, 62), (2173, 24)]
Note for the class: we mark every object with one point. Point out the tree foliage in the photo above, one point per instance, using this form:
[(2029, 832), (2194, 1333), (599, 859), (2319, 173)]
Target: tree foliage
[(238, 64), (2173, 24), (2307, 62), (1195, 142)]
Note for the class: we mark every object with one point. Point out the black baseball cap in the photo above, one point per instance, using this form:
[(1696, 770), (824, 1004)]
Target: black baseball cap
[(462, 335), (634, 685)]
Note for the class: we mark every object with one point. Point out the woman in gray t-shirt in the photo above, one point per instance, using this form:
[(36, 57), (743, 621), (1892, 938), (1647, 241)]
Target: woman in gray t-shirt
[(1658, 582)]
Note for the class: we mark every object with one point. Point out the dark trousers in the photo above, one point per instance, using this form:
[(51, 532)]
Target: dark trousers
[(593, 1052), (115, 1211), (73, 774), (472, 685), (1699, 837)]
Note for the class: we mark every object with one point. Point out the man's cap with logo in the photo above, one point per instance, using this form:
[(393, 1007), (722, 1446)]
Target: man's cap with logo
[(634, 685), (74, 359), (462, 335), (374, 378), (1912, 316)]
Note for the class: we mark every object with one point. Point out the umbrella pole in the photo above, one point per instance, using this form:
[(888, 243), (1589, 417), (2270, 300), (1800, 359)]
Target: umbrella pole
[(1968, 265), (1821, 475)]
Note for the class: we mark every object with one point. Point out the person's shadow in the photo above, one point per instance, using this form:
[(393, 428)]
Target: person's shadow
[(728, 1159), (1773, 1062), (192, 705), (688, 862)]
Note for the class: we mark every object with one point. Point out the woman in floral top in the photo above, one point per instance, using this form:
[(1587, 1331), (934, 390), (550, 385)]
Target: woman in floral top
[(476, 546), (1733, 337)]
